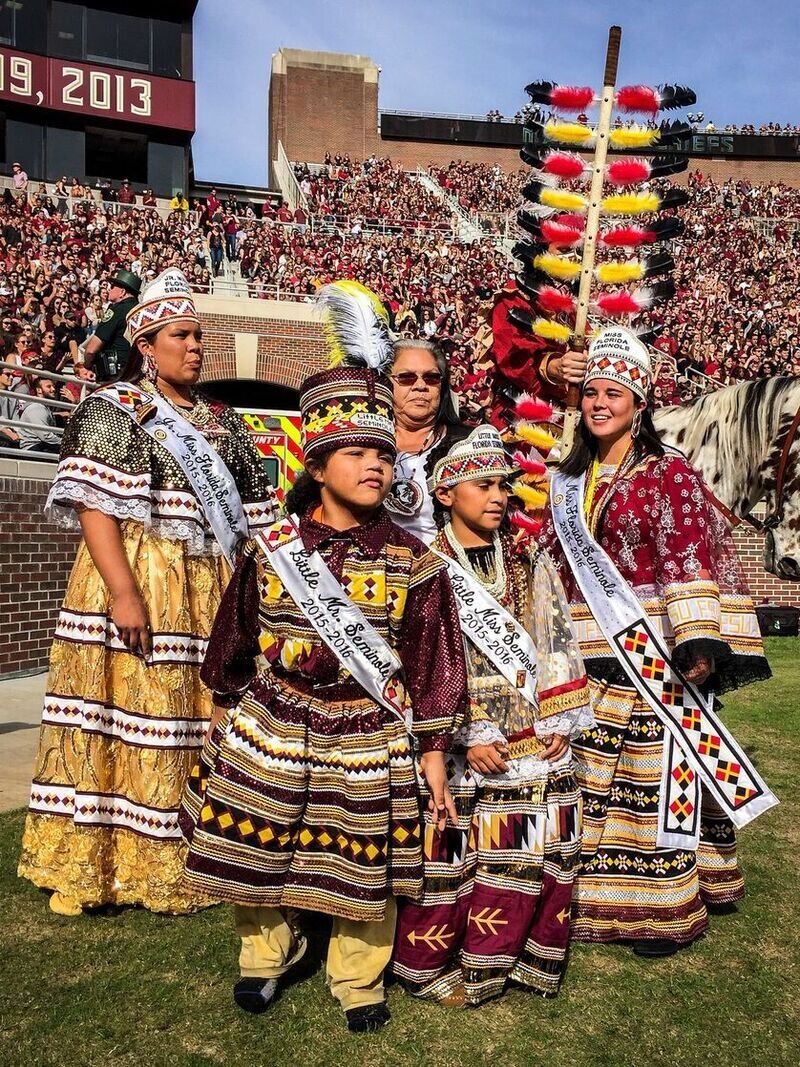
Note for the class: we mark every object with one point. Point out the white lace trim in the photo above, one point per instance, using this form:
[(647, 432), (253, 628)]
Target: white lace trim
[(570, 724), (66, 494), (482, 732)]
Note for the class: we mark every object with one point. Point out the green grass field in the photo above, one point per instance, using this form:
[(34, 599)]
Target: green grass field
[(131, 988)]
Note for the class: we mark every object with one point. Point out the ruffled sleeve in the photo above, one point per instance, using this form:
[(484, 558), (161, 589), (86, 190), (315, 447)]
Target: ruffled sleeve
[(104, 466), (230, 661), (432, 653), (709, 609)]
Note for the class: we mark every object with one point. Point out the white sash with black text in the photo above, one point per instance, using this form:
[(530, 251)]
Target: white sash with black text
[(340, 623), (210, 479), (698, 749), (495, 632)]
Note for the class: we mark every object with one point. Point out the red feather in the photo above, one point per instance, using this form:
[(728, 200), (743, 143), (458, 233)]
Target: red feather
[(628, 171), (534, 467), (563, 164), (638, 98), (553, 233), (524, 522), (552, 301), (572, 97), (533, 410), (575, 222), (621, 303), (628, 235)]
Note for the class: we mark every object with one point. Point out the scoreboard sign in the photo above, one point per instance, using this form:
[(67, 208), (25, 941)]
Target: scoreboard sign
[(101, 92)]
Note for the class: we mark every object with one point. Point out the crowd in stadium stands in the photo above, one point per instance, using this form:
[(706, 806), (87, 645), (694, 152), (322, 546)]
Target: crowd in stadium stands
[(484, 189), (736, 314), (376, 192), (737, 266)]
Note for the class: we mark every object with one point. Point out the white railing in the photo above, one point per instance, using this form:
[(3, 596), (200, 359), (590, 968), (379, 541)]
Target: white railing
[(284, 175)]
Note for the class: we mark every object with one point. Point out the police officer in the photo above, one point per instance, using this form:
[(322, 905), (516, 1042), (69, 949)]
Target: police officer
[(107, 351)]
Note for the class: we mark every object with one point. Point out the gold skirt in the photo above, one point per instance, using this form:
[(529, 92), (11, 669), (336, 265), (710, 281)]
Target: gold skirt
[(119, 736)]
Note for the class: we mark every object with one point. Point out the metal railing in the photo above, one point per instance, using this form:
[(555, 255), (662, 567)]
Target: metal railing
[(22, 399), (286, 178)]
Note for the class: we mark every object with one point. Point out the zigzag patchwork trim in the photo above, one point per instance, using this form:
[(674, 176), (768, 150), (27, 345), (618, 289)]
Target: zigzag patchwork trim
[(144, 731), (104, 809), (97, 629), (146, 317)]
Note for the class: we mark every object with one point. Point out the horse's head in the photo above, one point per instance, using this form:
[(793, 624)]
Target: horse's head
[(782, 522)]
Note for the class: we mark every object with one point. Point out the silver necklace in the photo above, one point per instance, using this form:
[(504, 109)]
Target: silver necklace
[(498, 586)]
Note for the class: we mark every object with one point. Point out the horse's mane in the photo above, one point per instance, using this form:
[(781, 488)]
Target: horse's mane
[(737, 424)]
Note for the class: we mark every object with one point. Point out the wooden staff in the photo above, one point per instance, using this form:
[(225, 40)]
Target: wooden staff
[(592, 227)]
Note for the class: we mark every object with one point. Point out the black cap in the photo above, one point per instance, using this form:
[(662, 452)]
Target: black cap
[(128, 280)]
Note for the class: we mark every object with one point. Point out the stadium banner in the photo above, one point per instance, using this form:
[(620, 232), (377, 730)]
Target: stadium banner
[(101, 92)]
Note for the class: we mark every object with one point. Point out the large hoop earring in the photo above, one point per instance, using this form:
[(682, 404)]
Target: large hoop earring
[(636, 425)]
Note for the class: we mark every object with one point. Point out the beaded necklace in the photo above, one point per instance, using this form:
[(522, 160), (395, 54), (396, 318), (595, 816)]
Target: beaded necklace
[(496, 587)]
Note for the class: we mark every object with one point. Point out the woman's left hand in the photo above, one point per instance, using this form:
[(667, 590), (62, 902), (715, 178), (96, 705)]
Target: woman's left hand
[(554, 747), (700, 670)]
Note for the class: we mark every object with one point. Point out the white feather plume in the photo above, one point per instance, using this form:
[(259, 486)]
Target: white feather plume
[(356, 326)]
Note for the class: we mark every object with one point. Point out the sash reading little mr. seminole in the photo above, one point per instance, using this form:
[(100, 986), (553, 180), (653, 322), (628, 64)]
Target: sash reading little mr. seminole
[(699, 750), (339, 622), (494, 631), (210, 479)]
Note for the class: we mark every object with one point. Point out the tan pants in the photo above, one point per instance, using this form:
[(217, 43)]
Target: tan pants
[(358, 952)]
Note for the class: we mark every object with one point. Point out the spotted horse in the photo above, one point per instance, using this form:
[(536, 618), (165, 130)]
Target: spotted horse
[(744, 440)]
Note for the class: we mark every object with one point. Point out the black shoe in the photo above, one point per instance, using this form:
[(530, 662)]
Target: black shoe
[(367, 1019), (255, 994), (728, 907), (656, 948)]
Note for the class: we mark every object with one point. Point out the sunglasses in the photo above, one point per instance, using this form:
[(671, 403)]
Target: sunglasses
[(409, 377)]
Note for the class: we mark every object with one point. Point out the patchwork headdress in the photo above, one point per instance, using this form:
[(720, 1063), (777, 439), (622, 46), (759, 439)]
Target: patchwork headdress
[(617, 355), (481, 455), (351, 403), (168, 298)]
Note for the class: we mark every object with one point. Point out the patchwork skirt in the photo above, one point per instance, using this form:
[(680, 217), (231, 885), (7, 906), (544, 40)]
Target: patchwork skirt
[(629, 889), (307, 803), (498, 890), (119, 736)]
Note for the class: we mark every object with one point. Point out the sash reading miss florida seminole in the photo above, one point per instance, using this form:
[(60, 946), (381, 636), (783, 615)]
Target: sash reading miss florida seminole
[(339, 622), (699, 750), (210, 479), (494, 631)]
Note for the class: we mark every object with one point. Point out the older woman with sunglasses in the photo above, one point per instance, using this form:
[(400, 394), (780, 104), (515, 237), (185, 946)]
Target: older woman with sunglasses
[(427, 425)]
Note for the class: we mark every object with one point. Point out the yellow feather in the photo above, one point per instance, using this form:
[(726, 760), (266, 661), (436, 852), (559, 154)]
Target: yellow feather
[(630, 203), (557, 267), (535, 436), (616, 273), (562, 199), (531, 498), (634, 137), (568, 132), (553, 331)]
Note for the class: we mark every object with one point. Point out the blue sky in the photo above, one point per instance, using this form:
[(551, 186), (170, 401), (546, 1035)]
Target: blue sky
[(740, 56)]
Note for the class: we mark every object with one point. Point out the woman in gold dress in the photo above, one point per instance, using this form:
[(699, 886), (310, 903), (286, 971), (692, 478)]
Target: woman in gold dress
[(125, 710)]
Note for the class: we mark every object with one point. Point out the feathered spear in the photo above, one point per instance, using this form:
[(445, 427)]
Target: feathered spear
[(563, 221)]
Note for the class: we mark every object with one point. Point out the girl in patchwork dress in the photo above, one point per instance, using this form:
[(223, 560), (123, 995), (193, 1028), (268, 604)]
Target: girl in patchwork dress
[(654, 862), (498, 883)]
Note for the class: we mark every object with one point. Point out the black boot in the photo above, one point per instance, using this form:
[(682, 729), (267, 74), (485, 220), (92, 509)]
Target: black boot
[(255, 994), (367, 1019), (656, 948)]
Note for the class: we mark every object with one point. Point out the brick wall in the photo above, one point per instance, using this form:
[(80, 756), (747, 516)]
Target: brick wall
[(37, 558), (323, 101), (763, 586)]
